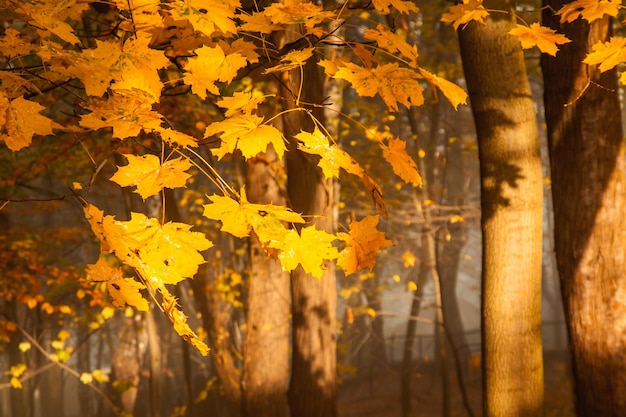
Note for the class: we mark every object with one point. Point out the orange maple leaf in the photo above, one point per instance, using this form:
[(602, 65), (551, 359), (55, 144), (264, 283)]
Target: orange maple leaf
[(292, 60), (150, 175), (207, 18), (310, 249), (241, 103), (363, 241), (258, 22), (465, 12), (589, 10), (127, 112), (542, 37), (297, 12), (392, 43), (246, 133), (455, 94), (179, 320), (20, 120), (393, 83), (400, 5), (608, 54), (122, 290), (403, 165)]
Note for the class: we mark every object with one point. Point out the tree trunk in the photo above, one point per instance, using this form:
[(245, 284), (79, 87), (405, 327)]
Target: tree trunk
[(511, 199), (587, 161), (266, 340), (313, 385)]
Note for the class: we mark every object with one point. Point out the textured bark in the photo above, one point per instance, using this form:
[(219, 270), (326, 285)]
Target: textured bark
[(266, 341), (587, 161), (313, 385), (511, 198)]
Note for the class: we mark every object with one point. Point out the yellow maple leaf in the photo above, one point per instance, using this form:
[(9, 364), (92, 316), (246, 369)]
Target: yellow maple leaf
[(150, 175), (589, 10), (20, 120), (311, 248), (258, 22), (50, 16), (392, 43), (607, 54), (246, 133), (332, 157), (239, 102), (93, 66), (402, 6), (207, 17), (403, 165), (297, 12), (363, 241), (122, 290), (292, 60), (137, 68), (240, 218), (241, 46), (174, 137), (13, 43), (222, 68), (179, 320), (455, 94), (542, 37), (393, 83), (127, 112), (465, 12)]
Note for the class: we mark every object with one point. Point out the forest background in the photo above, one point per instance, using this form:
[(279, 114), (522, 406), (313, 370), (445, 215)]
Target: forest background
[(169, 184)]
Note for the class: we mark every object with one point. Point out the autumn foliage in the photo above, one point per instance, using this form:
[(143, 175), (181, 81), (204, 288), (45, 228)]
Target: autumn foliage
[(118, 60)]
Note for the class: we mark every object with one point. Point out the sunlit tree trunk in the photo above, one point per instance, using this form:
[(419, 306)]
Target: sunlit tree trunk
[(312, 389), (511, 199), (587, 162), (266, 340)]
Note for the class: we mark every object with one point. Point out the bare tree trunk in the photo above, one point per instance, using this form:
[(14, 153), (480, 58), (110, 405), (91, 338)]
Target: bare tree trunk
[(511, 199), (313, 386), (155, 363), (266, 340), (587, 161)]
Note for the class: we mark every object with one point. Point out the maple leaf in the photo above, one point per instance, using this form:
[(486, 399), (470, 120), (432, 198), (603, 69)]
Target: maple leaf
[(20, 120), (292, 60), (51, 15), (246, 133), (465, 12), (297, 12), (13, 43), (93, 66), (391, 42), (222, 68), (258, 22), (608, 54), (542, 37), (161, 254), (240, 218), (332, 157), (246, 49), (122, 290), (311, 248), (128, 112), (403, 165), (179, 320), (245, 103), (455, 94), (363, 241), (207, 17), (137, 68), (404, 7), (173, 137), (150, 176), (393, 83), (589, 10)]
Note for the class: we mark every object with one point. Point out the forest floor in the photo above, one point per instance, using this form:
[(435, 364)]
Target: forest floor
[(378, 394)]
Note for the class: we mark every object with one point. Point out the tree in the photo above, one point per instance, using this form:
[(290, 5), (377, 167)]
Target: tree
[(584, 125), (511, 200)]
